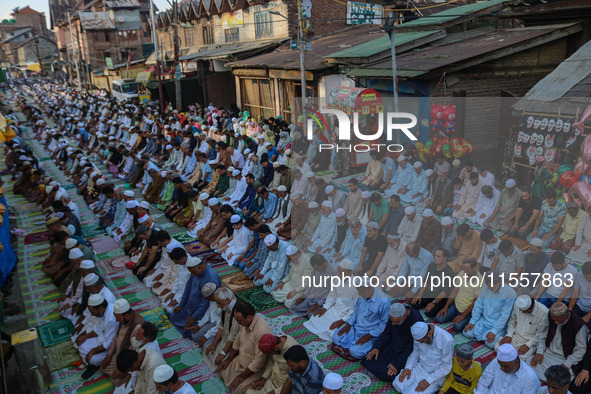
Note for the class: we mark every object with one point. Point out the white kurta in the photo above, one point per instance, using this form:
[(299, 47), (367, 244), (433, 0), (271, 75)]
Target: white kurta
[(339, 305), (583, 239), (391, 263), (485, 206), (409, 230), (105, 327), (238, 245), (495, 381), (201, 223), (294, 281), (523, 328), (325, 235), (428, 362)]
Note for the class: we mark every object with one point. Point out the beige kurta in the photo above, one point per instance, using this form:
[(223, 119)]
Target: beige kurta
[(276, 370), (468, 199), (294, 281), (467, 247), (249, 356), (229, 327), (122, 340)]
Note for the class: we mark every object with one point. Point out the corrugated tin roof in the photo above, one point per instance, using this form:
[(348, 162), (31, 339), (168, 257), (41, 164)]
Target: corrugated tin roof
[(459, 53), (382, 73), (122, 3), (569, 83), (224, 51), (96, 21), (285, 58), (381, 44), (452, 14)]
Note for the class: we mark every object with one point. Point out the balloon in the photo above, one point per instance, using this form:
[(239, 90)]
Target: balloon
[(583, 190), (446, 149), (563, 168), (429, 144), (421, 149), (568, 178)]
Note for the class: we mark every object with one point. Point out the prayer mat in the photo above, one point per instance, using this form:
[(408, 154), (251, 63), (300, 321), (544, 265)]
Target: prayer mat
[(324, 173), (259, 298), (214, 259), (184, 238), (33, 238), (61, 355), (238, 282), (69, 380), (92, 231), (225, 270), (158, 317), (195, 248), (55, 332), (103, 244), (520, 243), (344, 353)]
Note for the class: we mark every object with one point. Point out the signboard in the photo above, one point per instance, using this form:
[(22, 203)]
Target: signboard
[(232, 19), (109, 61), (364, 13)]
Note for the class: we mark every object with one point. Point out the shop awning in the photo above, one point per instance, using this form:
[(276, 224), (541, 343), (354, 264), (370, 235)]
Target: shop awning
[(144, 76), (349, 100)]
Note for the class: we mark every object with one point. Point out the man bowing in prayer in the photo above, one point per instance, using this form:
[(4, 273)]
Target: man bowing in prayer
[(167, 380), (193, 305), (508, 374), (430, 361), (394, 345), (325, 236), (367, 323)]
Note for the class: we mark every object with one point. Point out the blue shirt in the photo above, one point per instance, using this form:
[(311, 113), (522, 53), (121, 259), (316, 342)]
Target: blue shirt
[(269, 205), (388, 166), (416, 266), (309, 382)]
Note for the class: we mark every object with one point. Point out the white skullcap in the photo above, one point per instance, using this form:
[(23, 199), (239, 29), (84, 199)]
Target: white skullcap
[(366, 194), (393, 236), (208, 289), (291, 250), (193, 262), (340, 212), (128, 193), (75, 254), (203, 196), (270, 240), (373, 225), (397, 310), (327, 204), (162, 174), (95, 300), (346, 264), (48, 189), (419, 330), (409, 210), (282, 188), (428, 213), (288, 152), (523, 302), (213, 201), (537, 242), (310, 175), (333, 381), (87, 264), (91, 279), (143, 218), (328, 189), (121, 306), (417, 164), (312, 205), (510, 183), (266, 144), (131, 204), (23, 157), (71, 228), (167, 147), (456, 162), (446, 221), (163, 373), (429, 172), (173, 244), (506, 353), (70, 243), (401, 158), (145, 205), (236, 173), (234, 219)]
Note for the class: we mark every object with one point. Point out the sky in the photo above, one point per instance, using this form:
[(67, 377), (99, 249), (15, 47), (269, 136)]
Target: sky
[(6, 7)]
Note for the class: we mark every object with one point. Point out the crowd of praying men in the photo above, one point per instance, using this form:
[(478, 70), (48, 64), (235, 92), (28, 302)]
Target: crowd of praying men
[(257, 202)]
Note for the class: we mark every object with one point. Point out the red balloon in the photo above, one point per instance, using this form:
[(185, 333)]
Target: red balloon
[(568, 178)]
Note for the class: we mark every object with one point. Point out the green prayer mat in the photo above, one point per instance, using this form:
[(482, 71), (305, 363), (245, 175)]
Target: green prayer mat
[(61, 355), (158, 317), (55, 332), (258, 298)]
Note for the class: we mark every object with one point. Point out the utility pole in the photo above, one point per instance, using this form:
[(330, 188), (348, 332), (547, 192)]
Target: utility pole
[(74, 52), (158, 67), (302, 44), (389, 28), (177, 81)]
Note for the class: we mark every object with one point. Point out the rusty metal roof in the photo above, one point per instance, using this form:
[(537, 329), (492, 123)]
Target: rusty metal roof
[(96, 21), (123, 3), (285, 58), (567, 87), (488, 46)]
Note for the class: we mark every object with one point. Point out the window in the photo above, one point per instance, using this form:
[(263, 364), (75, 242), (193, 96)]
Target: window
[(208, 34), (189, 37), (232, 34), (127, 35), (101, 36), (263, 26)]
